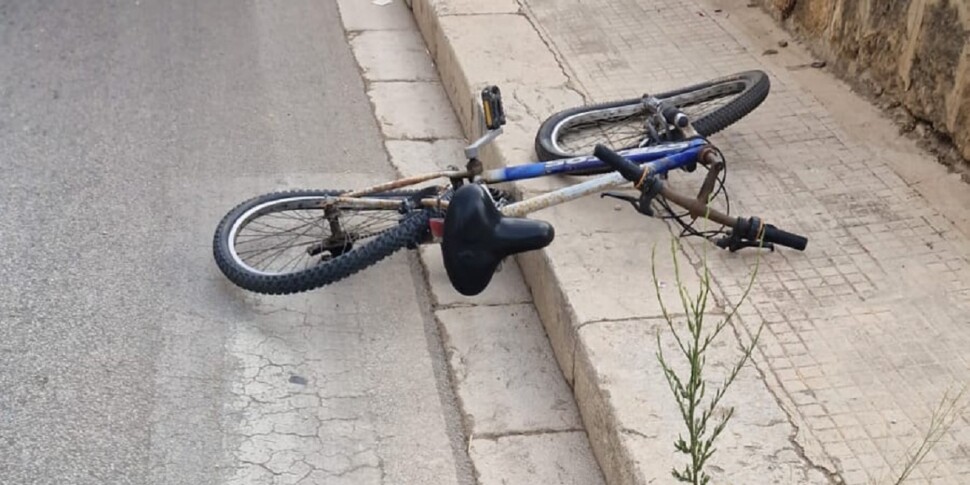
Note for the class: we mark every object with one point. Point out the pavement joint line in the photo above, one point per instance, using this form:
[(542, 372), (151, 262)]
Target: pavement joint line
[(448, 349), (403, 81), (357, 32), (555, 55), (482, 14), (532, 432), (614, 320), (452, 381), (624, 429), (635, 319), (413, 138), (459, 305), (572, 81), (774, 390)]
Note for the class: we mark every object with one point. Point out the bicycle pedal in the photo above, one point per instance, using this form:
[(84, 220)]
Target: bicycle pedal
[(492, 106)]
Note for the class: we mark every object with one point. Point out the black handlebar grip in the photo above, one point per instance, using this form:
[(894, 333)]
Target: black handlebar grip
[(784, 238), (628, 169), (675, 117)]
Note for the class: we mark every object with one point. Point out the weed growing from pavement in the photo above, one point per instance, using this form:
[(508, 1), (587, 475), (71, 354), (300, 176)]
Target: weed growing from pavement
[(701, 415), (946, 413), (690, 389)]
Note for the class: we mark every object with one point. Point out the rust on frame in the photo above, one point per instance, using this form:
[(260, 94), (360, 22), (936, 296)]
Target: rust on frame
[(404, 182)]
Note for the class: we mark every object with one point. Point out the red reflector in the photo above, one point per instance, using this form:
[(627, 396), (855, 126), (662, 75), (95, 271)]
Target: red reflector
[(437, 227)]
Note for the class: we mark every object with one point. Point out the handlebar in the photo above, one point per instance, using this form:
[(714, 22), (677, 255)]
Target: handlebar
[(629, 170), (744, 232), (785, 238), (753, 232)]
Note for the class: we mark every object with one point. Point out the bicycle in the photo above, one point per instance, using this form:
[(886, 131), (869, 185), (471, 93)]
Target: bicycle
[(478, 226)]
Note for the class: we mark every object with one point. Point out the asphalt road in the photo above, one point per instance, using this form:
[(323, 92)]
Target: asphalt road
[(127, 129)]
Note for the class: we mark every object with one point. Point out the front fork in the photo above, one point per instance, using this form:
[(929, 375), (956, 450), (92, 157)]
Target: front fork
[(709, 157)]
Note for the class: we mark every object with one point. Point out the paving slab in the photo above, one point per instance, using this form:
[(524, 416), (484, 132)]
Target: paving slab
[(597, 276), (508, 286), (510, 50), (505, 373), (393, 55), (624, 377), (507, 52), (414, 157), (366, 15), (557, 458), (413, 110), (475, 7)]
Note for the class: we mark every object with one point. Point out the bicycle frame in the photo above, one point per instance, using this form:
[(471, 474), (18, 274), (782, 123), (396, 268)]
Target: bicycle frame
[(658, 158)]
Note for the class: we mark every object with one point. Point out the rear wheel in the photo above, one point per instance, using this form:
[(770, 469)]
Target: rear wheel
[(290, 242), (712, 106)]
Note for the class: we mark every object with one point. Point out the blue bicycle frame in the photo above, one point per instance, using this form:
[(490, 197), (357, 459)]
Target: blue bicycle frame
[(660, 158), (657, 159)]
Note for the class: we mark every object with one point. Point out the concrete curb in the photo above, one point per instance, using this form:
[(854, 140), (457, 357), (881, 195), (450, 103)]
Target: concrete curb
[(553, 305)]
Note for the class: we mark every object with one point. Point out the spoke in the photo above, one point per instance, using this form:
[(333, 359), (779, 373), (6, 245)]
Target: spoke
[(277, 254), (256, 238), (296, 229), (289, 215), (313, 220), (263, 234), (271, 227), (297, 258), (369, 224), (272, 255)]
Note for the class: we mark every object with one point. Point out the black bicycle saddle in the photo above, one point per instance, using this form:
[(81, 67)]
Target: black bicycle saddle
[(477, 237)]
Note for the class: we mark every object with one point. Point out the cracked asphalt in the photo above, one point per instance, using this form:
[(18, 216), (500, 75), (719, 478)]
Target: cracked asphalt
[(127, 129)]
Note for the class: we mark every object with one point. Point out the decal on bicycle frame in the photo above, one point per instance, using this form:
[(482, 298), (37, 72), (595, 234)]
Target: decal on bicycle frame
[(667, 149), (541, 169)]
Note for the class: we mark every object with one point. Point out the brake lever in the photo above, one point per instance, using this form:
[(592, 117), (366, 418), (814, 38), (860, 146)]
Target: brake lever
[(642, 204), (634, 201)]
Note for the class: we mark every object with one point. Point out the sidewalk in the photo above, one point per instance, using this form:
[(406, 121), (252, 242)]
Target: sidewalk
[(866, 330)]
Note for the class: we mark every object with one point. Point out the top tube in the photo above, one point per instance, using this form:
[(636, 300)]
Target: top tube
[(686, 152)]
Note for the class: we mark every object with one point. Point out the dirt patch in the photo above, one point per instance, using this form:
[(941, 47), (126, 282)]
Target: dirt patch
[(934, 70), (903, 56)]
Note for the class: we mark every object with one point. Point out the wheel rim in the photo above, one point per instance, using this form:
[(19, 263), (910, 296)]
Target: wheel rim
[(290, 235), (622, 127)]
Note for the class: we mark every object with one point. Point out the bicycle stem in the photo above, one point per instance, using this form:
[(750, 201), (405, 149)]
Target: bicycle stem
[(697, 208)]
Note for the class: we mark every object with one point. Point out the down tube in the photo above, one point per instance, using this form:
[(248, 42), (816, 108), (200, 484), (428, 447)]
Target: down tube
[(678, 151), (603, 182)]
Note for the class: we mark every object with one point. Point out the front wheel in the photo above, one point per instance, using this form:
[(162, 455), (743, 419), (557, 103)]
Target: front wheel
[(290, 242), (711, 106)]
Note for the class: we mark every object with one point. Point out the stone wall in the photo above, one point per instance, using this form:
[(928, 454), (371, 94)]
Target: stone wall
[(912, 51)]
